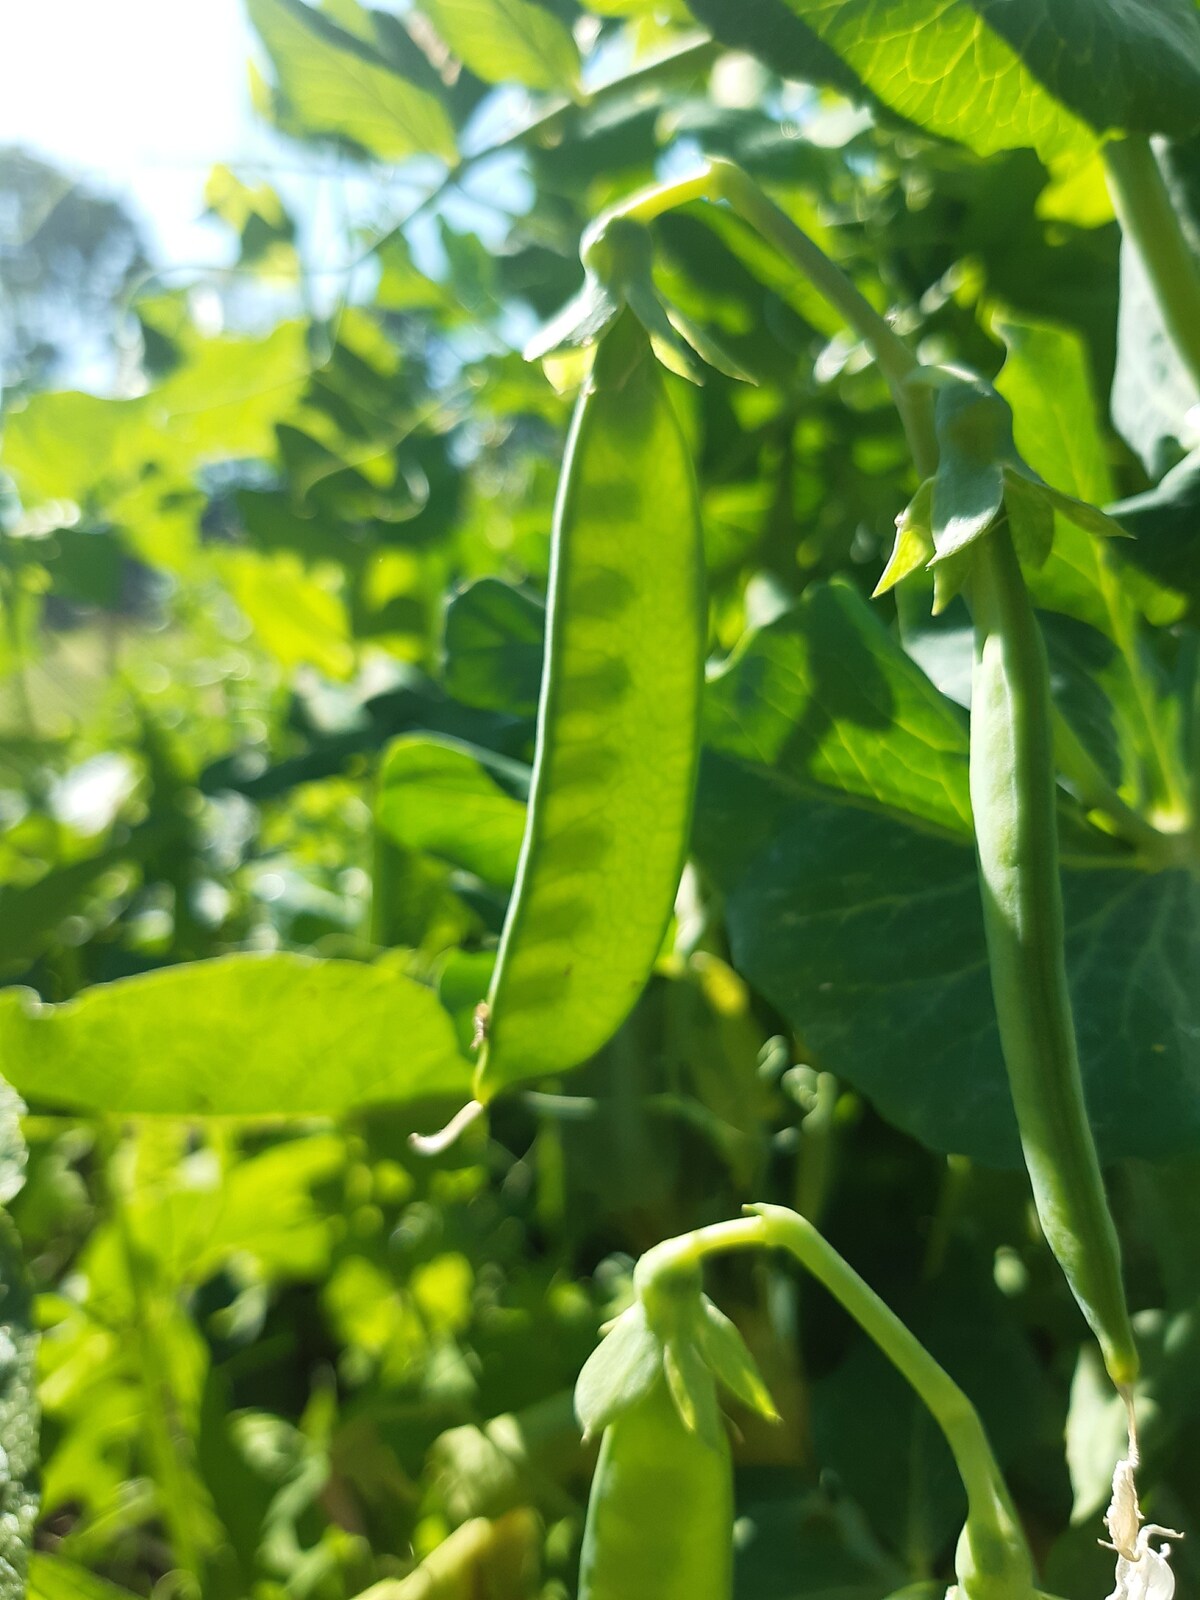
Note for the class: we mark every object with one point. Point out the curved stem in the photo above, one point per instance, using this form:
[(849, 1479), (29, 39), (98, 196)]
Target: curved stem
[(993, 1558), (722, 180)]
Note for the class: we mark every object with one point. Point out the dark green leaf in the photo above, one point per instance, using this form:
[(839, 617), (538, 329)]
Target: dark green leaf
[(1165, 524), (494, 646), (1131, 64), (769, 30), (868, 936), (826, 698)]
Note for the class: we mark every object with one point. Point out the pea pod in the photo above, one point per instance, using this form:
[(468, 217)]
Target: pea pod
[(1012, 778), (660, 1514), (618, 728)]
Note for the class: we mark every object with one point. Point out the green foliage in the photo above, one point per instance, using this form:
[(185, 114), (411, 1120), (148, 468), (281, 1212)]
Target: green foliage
[(273, 594), (279, 1034)]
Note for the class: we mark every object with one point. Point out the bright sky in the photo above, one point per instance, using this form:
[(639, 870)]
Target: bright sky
[(142, 95)]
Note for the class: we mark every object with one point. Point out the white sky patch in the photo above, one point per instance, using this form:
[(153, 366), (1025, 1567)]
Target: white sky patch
[(140, 96)]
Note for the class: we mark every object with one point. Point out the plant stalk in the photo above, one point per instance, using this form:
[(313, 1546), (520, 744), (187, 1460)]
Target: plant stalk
[(722, 180), (993, 1558), (1150, 223)]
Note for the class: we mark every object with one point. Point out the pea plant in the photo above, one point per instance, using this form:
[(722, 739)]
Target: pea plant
[(601, 825)]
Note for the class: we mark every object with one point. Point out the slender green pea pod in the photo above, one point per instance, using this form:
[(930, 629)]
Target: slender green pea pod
[(982, 513), (660, 1513), (618, 728), (1016, 833)]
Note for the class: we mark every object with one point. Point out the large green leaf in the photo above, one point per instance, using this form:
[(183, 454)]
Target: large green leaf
[(825, 697), (441, 796), (334, 83), (239, 1036), (222, 404), (868, 936), (1056, 423), (1131, 64), (940, 64), (768, 30), (506, 40), (1000, 74)]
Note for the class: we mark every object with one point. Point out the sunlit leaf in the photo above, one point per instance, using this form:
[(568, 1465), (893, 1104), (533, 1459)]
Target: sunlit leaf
[(240, 1036), (337, 84)]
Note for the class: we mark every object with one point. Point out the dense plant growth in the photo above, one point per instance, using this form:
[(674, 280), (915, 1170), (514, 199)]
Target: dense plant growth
[(616, 733)]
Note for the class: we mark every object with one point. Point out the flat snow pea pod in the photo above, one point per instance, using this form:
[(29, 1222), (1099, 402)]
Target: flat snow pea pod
[(1013, 799), (618, 728), (660, 1514)]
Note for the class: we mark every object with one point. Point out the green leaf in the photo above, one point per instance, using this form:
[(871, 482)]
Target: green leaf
[(1046, 379), (31, 914), (620, 1371), (66, 446), (868, 936), (781, 41), (826, 698), (239, 1036), (221, 404), (730, 1361), (494, 646), (1165, 524), (18, 1416), (439, 796), (298, 617), (1131, 64), (503, 41), (940, 64), (336, 84), (52, 1578)]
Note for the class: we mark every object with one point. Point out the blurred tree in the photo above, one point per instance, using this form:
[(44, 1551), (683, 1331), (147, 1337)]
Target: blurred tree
[(66, 255)]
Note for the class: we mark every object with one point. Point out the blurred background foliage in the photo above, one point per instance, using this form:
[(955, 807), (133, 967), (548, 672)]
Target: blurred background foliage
[(273, 614)]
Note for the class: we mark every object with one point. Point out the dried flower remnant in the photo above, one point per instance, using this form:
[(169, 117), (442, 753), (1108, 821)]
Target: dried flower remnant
[(1143, 1572)]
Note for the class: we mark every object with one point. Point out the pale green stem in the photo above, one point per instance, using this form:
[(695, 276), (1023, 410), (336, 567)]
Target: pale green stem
[(721, 180), (993, 1557), (1156, 848), (1150, 223)]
